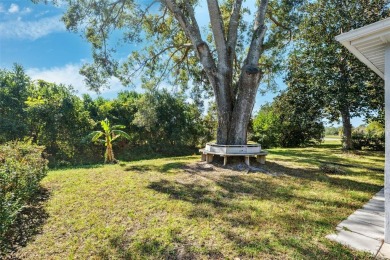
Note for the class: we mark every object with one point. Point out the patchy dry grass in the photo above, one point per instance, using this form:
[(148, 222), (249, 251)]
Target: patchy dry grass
[(179, 208)]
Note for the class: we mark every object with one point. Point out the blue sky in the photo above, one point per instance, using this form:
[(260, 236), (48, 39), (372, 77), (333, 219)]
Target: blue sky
[(34, 36)]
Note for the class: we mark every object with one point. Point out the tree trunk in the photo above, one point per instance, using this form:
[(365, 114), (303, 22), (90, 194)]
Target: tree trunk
[(233, 124), (246, 97), (109, 156), (347, 131), (234, 105)]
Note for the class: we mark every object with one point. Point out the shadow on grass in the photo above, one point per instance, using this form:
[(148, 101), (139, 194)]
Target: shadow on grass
[(224, 203), (355, 166), (251, 232), (234, 186), (331, 156), (83, 166), (151, 152), (28, 224), (164, 168), (329, 146), (316, 175), (155, 248), (307, 156)]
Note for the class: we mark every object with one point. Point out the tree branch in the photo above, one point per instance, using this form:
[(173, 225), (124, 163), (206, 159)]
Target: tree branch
[(154, 57), (218, 33), (233, 25), (192, 31), (277, 23), (256, 45)]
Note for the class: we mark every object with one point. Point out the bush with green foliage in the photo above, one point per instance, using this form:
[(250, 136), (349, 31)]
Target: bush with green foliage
[(266, 127), (165, 119), (288, 122), (371, 137), (22, 167)]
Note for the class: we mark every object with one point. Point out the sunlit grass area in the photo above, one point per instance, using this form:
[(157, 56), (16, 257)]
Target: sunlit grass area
[(179, 208), (332, 137)]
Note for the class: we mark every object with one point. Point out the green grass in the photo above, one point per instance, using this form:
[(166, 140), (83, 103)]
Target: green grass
[(171, 208), (333, 136)]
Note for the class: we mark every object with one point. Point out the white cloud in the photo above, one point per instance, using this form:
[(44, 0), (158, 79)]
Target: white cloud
[(2, 8), (69, 75), (14, 8), (26, 10), (31, 29)]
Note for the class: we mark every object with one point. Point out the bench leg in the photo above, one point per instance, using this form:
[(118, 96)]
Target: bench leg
[(203, 157), (225, 160), (261, 159), (247, 160), (209, 158)]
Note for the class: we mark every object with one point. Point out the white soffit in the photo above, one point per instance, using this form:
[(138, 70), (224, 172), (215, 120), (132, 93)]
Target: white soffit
[(368, 44)]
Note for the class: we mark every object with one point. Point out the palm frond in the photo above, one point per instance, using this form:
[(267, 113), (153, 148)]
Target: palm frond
[(95, 135), (118, 127), (119, 133), (105, 125)]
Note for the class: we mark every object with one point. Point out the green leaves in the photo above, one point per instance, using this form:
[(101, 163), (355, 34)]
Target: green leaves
[(95, 135), (120, 133), (320, 67), (22, 168), (14, 85)]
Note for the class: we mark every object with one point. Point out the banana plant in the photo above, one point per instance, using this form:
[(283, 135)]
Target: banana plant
[(107, 136)]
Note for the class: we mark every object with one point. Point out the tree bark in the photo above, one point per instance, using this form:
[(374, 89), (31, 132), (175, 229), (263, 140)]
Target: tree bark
[(347, 131)]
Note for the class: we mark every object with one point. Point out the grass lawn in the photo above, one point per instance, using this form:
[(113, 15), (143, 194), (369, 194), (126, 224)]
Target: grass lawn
[(179, 208), (333, 137)]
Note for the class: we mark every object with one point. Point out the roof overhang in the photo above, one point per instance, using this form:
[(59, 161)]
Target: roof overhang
[(369, 44)]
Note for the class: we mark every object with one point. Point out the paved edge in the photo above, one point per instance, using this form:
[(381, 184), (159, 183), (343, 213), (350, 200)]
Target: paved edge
[(364, 229)]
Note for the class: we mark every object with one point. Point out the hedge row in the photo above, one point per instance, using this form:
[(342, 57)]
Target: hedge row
[(22, 167)]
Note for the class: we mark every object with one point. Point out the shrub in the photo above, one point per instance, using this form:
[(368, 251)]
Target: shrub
[(281, 125), (22, 167), (371, 137), (368, 140)]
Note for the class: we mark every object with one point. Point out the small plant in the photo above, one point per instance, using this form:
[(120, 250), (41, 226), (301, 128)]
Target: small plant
[(109, 134)]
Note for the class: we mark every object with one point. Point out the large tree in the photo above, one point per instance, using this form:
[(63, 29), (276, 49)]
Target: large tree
[(56, 119), (229, 57), (14, 86), (321, 67)]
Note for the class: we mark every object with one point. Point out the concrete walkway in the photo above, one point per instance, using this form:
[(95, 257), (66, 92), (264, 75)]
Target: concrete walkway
[(364, 229)]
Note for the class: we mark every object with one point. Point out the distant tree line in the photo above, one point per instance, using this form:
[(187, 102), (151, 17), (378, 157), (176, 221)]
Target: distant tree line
[(53, 116)]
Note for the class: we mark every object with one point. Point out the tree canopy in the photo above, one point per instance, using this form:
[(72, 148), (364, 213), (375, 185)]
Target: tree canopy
[(321, 67), (228, 58)]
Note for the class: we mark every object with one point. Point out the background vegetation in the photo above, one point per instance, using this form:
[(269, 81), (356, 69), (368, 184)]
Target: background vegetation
[(54, 116), (158, 122), (21, 170)]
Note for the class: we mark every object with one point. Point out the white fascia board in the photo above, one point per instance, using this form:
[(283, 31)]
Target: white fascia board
[(371, 29), (369, 32)]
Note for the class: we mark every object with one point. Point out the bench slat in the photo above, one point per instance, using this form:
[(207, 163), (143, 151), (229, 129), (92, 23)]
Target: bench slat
[(208, 156)]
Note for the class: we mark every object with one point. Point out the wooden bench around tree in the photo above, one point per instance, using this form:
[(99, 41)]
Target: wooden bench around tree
[(247, 151)]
